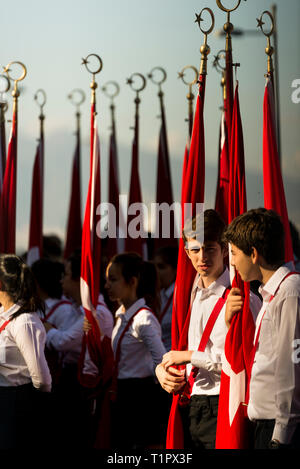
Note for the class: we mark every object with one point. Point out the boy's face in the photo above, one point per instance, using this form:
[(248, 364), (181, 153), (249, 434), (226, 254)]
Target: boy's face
[(207, 258), (243, 264)]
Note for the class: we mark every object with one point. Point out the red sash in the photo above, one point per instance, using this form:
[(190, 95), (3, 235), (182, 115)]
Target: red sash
[(118, 352), (4, 325), (186, 393), (166, 308), (54, 307)]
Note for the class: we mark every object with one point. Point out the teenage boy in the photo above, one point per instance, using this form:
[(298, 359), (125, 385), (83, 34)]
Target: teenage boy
[(212, 283), (257, 252)]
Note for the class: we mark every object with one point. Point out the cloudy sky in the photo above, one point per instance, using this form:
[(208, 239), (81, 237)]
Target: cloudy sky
[(135, 36)]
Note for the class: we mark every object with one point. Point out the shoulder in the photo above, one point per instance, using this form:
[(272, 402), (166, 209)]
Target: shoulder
[(146, 317), (290, 287)]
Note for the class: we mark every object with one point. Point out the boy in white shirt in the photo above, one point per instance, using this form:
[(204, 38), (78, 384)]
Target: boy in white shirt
[(257, 249)]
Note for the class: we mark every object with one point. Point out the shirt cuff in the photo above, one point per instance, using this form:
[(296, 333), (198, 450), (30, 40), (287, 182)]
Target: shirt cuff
[(198, 359), (283, 433)]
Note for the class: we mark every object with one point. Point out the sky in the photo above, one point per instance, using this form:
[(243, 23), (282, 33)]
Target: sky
[(134, 36)]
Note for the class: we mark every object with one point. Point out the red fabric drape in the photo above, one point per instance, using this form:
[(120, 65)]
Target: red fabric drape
[(9, 194), (232, 426), (274, 196), (135, 197), (35, 248), (193, 193), (74, 224), (164, 191), (222, 192)]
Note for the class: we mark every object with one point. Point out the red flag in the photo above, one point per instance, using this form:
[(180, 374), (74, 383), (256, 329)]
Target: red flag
[(135, 197), (90, 257), (114, 243), (164, 192), (192, 193), (274, 196), (222, 191), (2, 144), (74, 226), (232, 426), (35, 247), (9, 194)]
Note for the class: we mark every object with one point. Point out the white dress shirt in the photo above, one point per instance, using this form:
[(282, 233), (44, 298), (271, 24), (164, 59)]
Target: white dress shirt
[(22, 344), (166, 323), (63, 316), (209, 362), (275, 377), (141, 347), (69, 341)]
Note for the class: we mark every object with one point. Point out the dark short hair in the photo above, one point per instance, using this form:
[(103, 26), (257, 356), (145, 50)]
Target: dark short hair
[(169, 255), (212, 224), (260, 228), (48, 275), (132, 265)]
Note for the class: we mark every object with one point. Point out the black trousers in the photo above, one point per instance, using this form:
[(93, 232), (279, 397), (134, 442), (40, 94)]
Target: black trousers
[(199, 419), (23, 416), (135, 414), (263, 431)]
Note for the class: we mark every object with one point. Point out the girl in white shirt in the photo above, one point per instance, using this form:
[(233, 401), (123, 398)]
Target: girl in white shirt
[(23, 366), (137, 347)]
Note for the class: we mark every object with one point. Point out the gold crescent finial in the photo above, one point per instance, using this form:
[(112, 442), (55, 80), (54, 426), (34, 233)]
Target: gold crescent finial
[(269, 49), (77, 97), (156, 81), (205, 49), (42, 103), (111, 94), (7, 70), (227, 10), (93, 84), (130, 82)]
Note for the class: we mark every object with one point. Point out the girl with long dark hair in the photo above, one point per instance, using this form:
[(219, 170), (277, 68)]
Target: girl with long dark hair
[(23, 367), (137, 347)]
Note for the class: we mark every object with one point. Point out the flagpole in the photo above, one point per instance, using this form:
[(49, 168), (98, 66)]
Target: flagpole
[(269, 50), (190, 96), (3, 109), (9, 189), (77, 102), (41, 105), (111, 96)]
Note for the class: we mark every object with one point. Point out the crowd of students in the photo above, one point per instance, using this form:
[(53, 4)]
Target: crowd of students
[(42, 325)]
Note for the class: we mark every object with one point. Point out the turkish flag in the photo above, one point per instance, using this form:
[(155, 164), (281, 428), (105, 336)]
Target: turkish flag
[(274, 196), (74, 225), (114, 243), (2, 144), (135, 219), (9, 194), (35, 248), (193, 179), (164, 191), (90, 257), (222, 192), (232, 426)]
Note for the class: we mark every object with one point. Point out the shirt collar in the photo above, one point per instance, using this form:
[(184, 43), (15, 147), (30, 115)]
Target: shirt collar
[(270, 288), (9, 312), (216, 288), (130, 311)]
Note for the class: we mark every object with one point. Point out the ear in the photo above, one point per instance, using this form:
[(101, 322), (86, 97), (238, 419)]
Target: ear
[(254, 255), (133, 282)]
